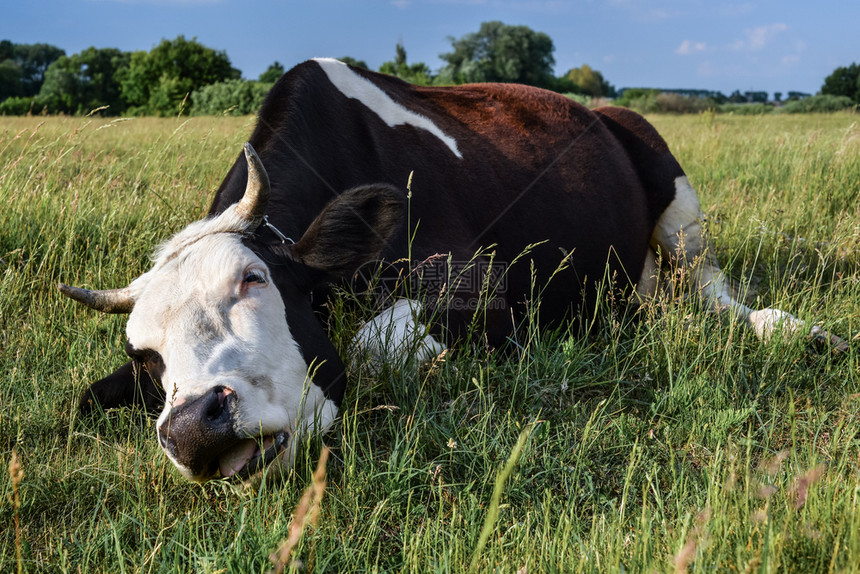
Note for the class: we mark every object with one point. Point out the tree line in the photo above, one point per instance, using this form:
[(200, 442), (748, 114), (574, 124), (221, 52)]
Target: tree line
[(184, 76)]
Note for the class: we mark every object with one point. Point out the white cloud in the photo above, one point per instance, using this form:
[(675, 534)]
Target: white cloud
[(759, 37), (687, 47)]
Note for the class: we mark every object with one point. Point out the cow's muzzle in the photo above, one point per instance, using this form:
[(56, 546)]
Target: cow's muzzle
[(199, 435), (198, 430)]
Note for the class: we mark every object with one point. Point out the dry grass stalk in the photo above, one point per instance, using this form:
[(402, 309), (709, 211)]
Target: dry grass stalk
[(17, 475), (687, 553), (800, 487), (307, 512), (772, 465)]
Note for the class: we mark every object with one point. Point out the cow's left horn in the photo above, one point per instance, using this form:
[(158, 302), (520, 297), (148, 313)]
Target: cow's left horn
[(106, 301), (252, 206)]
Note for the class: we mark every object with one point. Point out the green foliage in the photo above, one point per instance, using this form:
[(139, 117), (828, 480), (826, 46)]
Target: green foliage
[(844, 81), (10, 79), (22, 67), (585, 80), (233, 98), (792, 96), (500, 53), (272, 74), (651, 101), (83, 82), (20, 106), (159, 82), (745, 109), (819, 103), (671, 103), (643, 100), (579, 98), (413, 73), (354, 62)]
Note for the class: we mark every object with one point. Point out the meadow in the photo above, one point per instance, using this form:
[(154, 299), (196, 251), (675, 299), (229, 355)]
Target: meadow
[(665, 440)]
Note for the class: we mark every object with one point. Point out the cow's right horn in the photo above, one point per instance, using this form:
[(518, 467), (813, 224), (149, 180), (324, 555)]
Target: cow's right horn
[(252, 206), (106, 301)]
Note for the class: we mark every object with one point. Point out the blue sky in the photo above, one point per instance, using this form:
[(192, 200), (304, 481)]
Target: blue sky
[(717, 44)]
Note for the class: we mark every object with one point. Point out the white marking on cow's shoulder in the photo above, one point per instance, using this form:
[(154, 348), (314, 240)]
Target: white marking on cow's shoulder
[(393, 114), (394, 338)]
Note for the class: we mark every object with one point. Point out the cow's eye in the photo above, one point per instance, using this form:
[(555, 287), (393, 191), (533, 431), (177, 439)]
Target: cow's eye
[(253, 276)]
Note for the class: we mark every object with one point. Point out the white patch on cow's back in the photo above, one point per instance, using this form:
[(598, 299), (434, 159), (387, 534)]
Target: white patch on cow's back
[(393, 114), (394, 337)]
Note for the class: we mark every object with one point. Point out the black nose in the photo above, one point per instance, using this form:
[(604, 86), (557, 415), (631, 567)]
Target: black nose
[(198, 430)]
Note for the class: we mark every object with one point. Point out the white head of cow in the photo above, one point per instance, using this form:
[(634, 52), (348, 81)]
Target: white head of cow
[(238, 391)]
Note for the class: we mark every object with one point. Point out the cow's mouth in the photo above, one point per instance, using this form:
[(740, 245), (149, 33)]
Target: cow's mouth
[(251, 456)]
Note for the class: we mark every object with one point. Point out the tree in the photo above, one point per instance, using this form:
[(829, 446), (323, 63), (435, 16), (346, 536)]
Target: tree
[(756, 97), (737, 97), (500, 53), (415, 74), (10, 79), (85, 81), (22, 67), (233, 98), (7, 50), (272, 73), (844, 81), (353, 62), (586, 80), (159, 81), (34, 60)]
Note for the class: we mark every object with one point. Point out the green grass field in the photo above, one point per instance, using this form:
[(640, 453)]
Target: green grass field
[(668, 441)]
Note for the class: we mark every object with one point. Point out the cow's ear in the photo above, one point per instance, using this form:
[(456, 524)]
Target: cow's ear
[(351, 230)]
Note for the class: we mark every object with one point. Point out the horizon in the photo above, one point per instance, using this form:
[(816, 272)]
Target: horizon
[(663, 44)]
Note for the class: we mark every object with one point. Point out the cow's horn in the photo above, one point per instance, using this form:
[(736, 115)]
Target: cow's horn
[(106, 301), (252, 206)]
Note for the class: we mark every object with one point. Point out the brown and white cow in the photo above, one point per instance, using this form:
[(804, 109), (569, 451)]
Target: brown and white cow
[(222, 330)]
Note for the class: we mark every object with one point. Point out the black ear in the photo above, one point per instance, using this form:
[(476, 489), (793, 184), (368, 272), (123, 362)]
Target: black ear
[(351, 230), (128, 385)]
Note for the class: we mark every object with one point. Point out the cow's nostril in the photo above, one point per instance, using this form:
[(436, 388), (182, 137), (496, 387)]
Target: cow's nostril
[(162, 438), (216, 405)]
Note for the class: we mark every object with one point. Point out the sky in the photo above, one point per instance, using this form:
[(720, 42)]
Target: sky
[(724, 45)]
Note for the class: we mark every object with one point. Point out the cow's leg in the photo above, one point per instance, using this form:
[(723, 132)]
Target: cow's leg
[(128, 385), (395, 337), (680, 237), (649, 282)]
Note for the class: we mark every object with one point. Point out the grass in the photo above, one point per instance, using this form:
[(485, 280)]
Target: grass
[(669, 441)]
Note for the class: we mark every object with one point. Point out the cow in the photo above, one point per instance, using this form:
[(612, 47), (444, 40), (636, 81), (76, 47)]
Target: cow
[(224, 333)]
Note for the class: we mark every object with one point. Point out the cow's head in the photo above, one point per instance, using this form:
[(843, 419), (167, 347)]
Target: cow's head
[(224, 322)]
